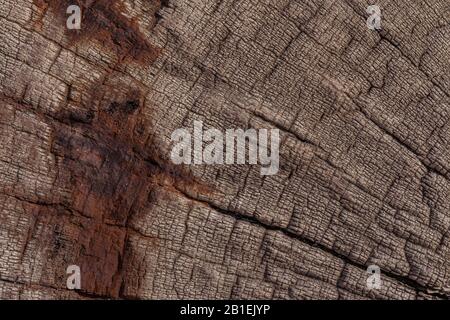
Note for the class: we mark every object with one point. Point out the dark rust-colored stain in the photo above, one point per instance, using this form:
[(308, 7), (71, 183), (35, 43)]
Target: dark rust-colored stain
[(108, 160), (103, 21), (114, 169)]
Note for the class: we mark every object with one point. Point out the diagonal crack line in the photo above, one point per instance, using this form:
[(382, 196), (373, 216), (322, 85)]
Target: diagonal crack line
[(410, 283), (404, 144), (277, 125), (384, 36), (281, 127), (378, 124)]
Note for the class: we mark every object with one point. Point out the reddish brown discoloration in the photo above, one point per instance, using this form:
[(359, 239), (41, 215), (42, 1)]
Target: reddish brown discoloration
[(112, 167), (107, 158), (104, 21)]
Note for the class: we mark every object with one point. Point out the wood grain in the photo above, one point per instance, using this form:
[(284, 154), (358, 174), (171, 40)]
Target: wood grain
[(85, 123)]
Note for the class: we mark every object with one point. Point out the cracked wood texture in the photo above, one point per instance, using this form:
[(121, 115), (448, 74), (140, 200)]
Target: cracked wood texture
[(86, 118)]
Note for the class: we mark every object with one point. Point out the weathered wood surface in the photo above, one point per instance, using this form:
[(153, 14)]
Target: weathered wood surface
[(86, 119)]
